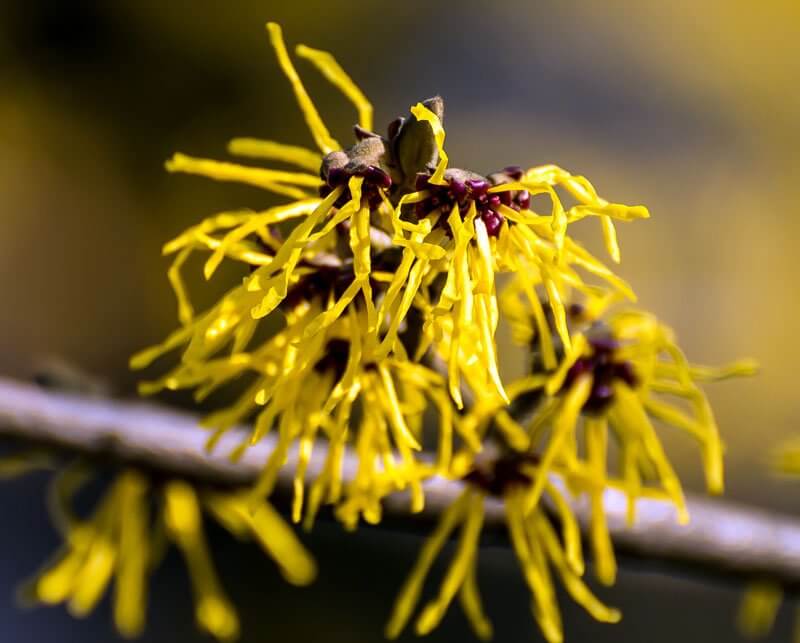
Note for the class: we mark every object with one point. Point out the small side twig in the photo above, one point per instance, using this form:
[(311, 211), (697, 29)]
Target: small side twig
[(722, 539)]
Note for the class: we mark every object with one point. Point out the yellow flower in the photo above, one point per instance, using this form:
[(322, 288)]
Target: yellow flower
[(321, 277), (383, 269), (758, 609), (311, 390), (762, 598), (122, 541), (249, 236), (456, 229), (539, 548), (617, 379), (469, 228)]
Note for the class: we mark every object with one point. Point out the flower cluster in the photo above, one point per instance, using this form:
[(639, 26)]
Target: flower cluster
[(366, 323), (126, 536)]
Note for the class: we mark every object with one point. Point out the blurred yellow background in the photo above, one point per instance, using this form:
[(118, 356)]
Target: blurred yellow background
[(690, 108)]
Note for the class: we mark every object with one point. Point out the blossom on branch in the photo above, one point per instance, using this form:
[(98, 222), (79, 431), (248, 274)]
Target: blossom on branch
[(366, 320)]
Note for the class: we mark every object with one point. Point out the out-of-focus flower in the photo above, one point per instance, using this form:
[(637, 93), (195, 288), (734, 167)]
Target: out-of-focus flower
[(20, 462), (762, 599), (125, 538), (618, 380), (758, 608), (539, 547)]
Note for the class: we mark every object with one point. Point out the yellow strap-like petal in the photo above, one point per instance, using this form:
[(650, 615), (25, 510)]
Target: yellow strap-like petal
[(213, 610), (273, 151), (596, 452), (571, 531), (322, 137), (273, 534), (256, 223), (563, 426), (412, 588), (471, 603), (185, 310), (130, 592), (331, 69), (629, 412), (273, 180), (577, 589), (463, 561)]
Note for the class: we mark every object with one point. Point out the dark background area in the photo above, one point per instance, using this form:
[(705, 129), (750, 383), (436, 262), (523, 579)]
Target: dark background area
[(689, 108)]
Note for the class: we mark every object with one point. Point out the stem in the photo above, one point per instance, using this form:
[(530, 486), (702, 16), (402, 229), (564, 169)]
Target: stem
[(722, 539)]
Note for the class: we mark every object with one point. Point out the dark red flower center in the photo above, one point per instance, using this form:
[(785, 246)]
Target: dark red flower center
[(465, 188), (605, 368)]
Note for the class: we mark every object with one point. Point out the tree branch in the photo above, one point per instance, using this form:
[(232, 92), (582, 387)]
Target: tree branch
[(722, 538)]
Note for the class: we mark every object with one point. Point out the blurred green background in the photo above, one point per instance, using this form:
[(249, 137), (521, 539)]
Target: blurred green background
[(690, 108)]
